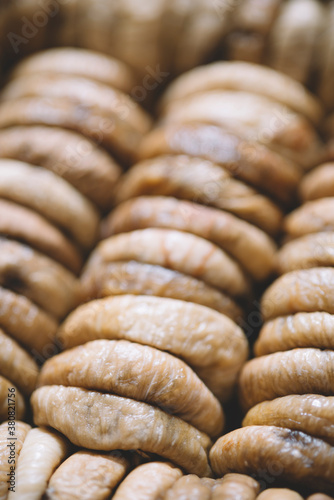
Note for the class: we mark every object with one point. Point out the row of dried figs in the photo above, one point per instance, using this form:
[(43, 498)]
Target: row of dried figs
[(292, 36), (150, 333)]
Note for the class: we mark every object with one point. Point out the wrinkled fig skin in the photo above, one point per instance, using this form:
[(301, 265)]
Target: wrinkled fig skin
[(309, 290), (209, 342), (189, 486), (249, 246), (6, 402), (300, 371), (41, 453), (243, 76), (256, 118), (51, 196), (116, 135), (82, 63), (39, 278), (136, 278), (21, 430), (280, 453), (141, 373), (194, 256), (192, 178), (87, 475), (312, 217), (17, 365), (311, 250), (279, 494), (20, 223), (299, 330), (83, 164), (148, 482), (318, 184), (245, 159), (29, 325), (105, 422), (309, 413)]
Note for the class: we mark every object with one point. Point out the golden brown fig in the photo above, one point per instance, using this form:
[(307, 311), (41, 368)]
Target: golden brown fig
[(148, 481), (311, 250), (249, 246), (245, 159), (308, 290), (17, 365), (41, 279), (176, 250), (188, 487), (233, 486), (86, 475), (310, 413), (28, 324), (79, 62), (300, 371), (247, 77), (81, 162), (52, 197), (136, 278), (209, 342), (300, 330), (105, 422), (138, 372), (199, 180), (312, 217), (319, 183), (22, 224), (256, 118), (279, 494), (275, 452)]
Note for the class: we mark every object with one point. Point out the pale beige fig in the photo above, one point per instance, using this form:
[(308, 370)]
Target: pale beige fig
[(249, 246), (12, 403), (245, 77), (300, 371), (41, 279), (148, 481), (298, 330), (279, 494), (87, 475), (305, 252), (136, 278), (312, 217), (200, 180), (176, 250), (319, 496), (294, 36), (319, 183), (306, 290), (189, 487), (17, 365), (233, 486), (52, 197), (25, 225), (81, 163), (245, 159), (79, 62), (28, 324), (104, 128), (41, 453), (105, 422), (213, 345), (9, 454), (309, 413), (256, 118), (138, 372), (291, 456)]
